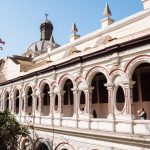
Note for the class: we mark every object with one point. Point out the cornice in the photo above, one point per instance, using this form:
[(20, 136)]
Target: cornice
[(79, 59)]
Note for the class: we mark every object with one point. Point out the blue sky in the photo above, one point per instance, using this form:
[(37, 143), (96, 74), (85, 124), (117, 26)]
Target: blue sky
[(20, 19)]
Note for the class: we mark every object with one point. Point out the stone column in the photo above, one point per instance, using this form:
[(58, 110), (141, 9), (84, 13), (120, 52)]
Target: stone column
[(128, 88), (39, 109), (34, 97), (60, 105), (60, 101), (88, 103), (110, 88), (25, 103), (11, 103), (2, 102), (20, 105), (75, 98), (129, 110), (51, 95), (51, 111), (76, 105), (39, 101)]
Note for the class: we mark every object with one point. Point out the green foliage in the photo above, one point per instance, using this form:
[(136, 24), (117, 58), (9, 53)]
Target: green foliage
[(10, 130)]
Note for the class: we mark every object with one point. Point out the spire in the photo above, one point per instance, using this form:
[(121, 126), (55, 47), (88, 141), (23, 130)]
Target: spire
[(74, 28), (107, 20), (107, 12), (46, 29), (52, 44), (74, 31), (36, 48), (52, 41)]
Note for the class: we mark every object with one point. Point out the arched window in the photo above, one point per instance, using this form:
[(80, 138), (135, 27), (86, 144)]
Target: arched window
[(42, 146), (17, 102), (120, 98), (7, 101), (68, 99), (99, 96), (68, 96), (56, 102), (82, 98), (30, 97), (141, 88), (100, 92), (46, 98)]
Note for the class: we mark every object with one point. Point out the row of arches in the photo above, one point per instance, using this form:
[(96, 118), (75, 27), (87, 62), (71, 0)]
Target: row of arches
[(66, 102)]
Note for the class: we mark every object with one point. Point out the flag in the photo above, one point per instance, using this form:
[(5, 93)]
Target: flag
[(1, 41)]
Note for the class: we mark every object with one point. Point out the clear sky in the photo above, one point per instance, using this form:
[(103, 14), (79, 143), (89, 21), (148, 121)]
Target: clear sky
[(20, 19)]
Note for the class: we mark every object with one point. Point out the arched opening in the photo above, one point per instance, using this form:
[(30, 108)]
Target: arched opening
[(25, 144), (46, 100), (29, 101), (56, 102), (68, 99), (99, 96), (120, 99), (82, 101), (141, 89), (16, 102), (42, 146), (6, 101)]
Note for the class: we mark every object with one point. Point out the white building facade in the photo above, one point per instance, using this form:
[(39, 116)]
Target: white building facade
[(57, 88)]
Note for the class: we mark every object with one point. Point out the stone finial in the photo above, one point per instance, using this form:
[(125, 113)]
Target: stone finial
[(52, 41), (36, 48), (146, 4), (107, 12), (74, 30), (107, 20), (52, 44)]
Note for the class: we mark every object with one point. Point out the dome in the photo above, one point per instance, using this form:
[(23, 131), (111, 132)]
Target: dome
[(39, 46)]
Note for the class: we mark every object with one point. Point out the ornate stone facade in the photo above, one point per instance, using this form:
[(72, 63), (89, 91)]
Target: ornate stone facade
[(106, 71)]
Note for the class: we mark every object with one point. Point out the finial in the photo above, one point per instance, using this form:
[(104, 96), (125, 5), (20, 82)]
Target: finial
[(74, 28), (46, 15), (106, 11), (107, 20), (52, 44), (36, 48), (52, 41)]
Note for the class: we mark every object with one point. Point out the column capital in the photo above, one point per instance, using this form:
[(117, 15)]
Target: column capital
[(23, 94), (75, 89), (38, 92), (109, 85), (129, 83), (88, 89), (61, 92)]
